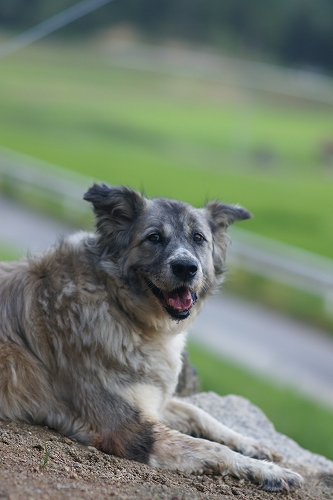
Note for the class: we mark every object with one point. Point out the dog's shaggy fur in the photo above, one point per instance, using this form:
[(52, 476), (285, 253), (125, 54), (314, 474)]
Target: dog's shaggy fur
[(92, 331)]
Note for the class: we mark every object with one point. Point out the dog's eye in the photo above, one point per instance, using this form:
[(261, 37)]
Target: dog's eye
[(155, 237), (198, 238)]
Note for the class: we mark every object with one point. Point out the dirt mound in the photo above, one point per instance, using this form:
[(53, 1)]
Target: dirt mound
[(37, 463)]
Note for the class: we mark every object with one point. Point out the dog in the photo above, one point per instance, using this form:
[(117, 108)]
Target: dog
[(92, 333)]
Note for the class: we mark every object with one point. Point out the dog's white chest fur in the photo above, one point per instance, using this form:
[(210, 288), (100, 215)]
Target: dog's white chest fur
[(163, 361), (167, 365)]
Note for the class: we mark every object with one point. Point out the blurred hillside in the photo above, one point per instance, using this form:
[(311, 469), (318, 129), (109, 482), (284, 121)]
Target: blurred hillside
[(189, 124), (292, 32)]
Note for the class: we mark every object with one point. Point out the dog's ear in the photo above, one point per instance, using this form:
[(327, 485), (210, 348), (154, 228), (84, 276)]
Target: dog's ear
[(116, 210), (220, 217)]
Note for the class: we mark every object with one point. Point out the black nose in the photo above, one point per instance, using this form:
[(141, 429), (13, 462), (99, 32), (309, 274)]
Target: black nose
[(184, 269)]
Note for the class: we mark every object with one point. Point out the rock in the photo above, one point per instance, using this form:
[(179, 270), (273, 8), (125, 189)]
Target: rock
[(188, 382)]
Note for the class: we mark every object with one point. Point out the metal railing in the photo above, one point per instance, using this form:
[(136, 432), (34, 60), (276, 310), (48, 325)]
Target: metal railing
[(283, 263), (27, 177), (21, 174)]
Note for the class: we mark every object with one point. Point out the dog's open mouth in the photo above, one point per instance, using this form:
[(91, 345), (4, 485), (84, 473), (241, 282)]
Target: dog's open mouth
[(178, 302)]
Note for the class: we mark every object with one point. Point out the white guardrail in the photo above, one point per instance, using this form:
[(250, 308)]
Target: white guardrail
[(260, 255), (207, 66)]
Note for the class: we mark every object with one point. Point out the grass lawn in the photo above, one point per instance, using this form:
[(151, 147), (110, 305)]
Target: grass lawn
[(173, 136), (292, 414), (8, 253)]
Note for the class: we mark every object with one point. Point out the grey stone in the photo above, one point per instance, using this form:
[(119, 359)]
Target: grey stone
[(188, 382), (241, 415)]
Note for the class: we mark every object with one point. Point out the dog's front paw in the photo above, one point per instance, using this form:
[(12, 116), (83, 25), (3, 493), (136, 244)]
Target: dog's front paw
[(255, 449), (284, 480), (266, 475)]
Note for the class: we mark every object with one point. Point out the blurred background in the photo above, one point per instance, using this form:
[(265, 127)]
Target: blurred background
[(191, 100)]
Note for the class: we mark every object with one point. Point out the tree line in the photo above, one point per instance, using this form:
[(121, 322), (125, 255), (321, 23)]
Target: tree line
[(296, 32)]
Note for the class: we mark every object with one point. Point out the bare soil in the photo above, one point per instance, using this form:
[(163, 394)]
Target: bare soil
[(37, 463)]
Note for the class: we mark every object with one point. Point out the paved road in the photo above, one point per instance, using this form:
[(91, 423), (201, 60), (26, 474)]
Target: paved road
[(268, 343), (27, 230)]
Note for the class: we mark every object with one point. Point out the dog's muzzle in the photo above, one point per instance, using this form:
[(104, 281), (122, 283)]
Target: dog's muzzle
[(177, 303)]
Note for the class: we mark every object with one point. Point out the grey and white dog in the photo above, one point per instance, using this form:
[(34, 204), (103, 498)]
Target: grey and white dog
[(92, 331)]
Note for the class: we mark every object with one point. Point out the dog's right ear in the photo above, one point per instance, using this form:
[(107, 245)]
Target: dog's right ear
[(116, 210)]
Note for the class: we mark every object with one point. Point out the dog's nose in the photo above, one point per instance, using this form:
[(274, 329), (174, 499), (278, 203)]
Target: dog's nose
[(184, 269)]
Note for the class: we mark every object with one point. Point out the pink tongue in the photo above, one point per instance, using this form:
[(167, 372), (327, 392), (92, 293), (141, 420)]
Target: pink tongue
[(180, 299)]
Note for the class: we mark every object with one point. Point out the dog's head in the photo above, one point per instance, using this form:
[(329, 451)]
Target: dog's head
[(168, 253)]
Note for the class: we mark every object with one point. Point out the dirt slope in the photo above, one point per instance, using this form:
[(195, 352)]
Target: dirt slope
[(37, 463)]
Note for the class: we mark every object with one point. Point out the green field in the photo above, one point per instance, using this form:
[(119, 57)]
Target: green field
[(8, 253), (173, 136)]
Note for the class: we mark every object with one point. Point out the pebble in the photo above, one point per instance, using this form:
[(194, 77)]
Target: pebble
[(92, 448)]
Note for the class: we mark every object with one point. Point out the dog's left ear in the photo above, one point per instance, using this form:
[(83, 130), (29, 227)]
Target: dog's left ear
[(116, 209), (220, 216), (223, 215)]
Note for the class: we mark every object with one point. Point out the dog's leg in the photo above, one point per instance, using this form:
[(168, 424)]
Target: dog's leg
[(25, 392), (190, 419), (175, 451), (137, 438), (22, 385)]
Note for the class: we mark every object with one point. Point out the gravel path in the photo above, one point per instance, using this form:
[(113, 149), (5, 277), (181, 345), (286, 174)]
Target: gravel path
[(283, 349)]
